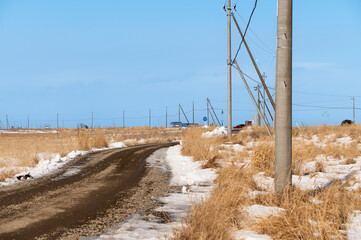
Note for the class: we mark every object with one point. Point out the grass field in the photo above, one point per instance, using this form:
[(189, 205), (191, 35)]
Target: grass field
[(21, 148), (320, 205), (244, 200)]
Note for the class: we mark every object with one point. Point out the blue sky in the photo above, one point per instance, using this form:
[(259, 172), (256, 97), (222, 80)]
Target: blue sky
[(84, 56)]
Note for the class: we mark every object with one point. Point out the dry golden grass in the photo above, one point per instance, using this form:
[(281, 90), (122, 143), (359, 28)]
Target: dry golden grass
[(308, 215), (305, 218), (22, 149), (201, 148), (262, 158), (213, 218)]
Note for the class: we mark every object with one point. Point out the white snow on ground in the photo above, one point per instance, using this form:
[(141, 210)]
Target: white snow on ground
[(333, 169), (197, 184), (217, 132), (117, 145), (257, 211), (27, 131), (354, 227), (249, 235), (49, 163), (236, 147)]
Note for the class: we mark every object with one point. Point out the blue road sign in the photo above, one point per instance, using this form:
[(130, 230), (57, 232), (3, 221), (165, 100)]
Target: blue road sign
[(204, 118)]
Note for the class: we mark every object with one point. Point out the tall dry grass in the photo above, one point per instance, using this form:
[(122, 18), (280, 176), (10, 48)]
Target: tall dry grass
[(22, 149), (321, 214), (200, 148)]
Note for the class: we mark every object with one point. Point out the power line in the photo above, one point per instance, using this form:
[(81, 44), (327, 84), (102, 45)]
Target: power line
[(266, 47)]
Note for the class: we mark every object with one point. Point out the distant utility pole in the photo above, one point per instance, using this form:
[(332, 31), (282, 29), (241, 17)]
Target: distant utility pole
[(150, 118), (354, 109), (207, 113), (259, 105), (166, 117), (179, 112), (92, 120), (283, 118), (193, 112), (123, 120), (264, 97), (57, 120), (7, 122), (229, 77), (28, 122)]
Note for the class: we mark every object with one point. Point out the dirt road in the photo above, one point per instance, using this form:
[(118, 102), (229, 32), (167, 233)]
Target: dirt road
[(89, 195)]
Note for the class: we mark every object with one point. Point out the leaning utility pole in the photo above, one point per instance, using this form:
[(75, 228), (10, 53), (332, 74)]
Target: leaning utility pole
[(283, 118), (264, 97), (229, 77), (207, 113), (259, 105)]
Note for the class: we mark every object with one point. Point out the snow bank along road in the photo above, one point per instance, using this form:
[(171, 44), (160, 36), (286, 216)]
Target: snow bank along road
[(87, 196)]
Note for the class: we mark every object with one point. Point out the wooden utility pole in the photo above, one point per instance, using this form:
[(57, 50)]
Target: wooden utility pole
[(283, 118), (354, 119), (252, 97), (92, 120), (264, 96), (229, 76), (214, 113), (185, 116), (193, 112), (123, 120), (207, 113), (259, 105)]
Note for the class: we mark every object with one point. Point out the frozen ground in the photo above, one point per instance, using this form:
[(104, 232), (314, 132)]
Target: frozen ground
[(27, 131), (49, 163), (196, 185)]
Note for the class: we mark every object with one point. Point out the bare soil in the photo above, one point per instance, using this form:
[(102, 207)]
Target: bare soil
[(89, 195)]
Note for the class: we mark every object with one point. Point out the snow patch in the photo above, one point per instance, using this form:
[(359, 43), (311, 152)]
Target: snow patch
[(260, 211), (354, 227), (217, 132), (249, 235), (196, 185)]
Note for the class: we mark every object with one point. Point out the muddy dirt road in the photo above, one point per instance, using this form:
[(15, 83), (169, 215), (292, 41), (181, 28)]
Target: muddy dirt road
[(87, 196)]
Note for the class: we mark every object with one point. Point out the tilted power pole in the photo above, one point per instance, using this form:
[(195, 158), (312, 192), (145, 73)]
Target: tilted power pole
[(283, 118), (229, 77), (207, 112)]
